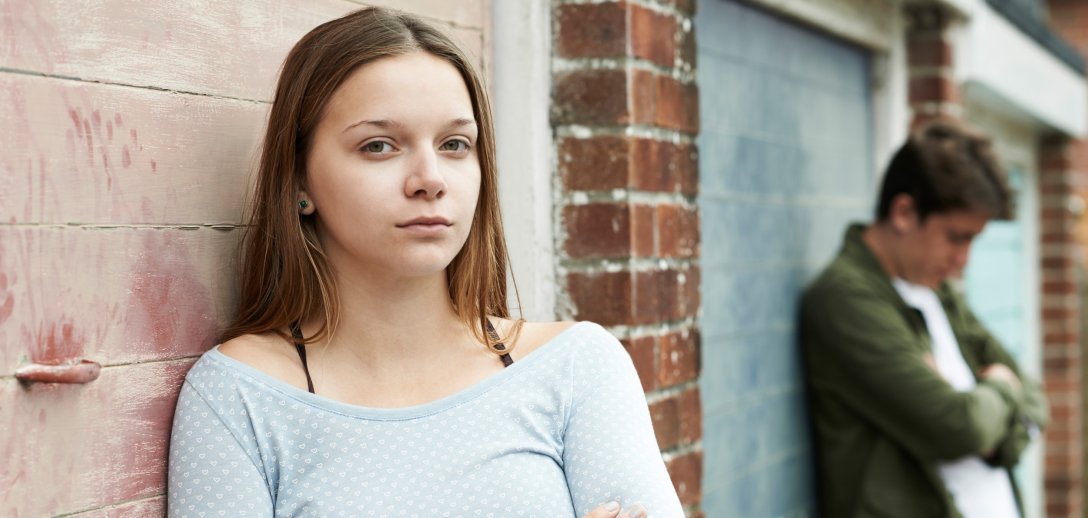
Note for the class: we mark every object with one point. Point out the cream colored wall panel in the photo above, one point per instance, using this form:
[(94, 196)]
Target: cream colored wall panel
[(154, 506), (129, 130), (231, 49), (461, 13), (78, 152), (472, 41), (113, 296), (69, 448)]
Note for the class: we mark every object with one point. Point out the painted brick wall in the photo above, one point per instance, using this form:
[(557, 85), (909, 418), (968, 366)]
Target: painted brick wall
[(786, 162), (126, 132), (625, 113)]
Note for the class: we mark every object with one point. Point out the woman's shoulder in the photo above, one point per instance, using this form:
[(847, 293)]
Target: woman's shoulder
[(585, 337), (532, 335), (268, 353)]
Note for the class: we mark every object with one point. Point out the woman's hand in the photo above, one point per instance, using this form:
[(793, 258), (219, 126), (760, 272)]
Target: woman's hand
[(612, 510)]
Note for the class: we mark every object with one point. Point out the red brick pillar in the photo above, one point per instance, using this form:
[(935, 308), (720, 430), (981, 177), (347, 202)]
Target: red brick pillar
[(625, 115), (932, 91), (1065, 164), (1061, 315)]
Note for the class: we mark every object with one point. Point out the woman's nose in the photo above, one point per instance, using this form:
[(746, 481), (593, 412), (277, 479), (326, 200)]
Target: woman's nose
[(425, 179)]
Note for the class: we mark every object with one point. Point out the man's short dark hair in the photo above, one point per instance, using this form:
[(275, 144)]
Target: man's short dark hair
[(944, 167)]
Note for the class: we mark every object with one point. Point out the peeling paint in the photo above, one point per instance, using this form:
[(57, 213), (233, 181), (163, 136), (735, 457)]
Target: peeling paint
[(7, 299), (126, 415), (56, 342), (169, 308)]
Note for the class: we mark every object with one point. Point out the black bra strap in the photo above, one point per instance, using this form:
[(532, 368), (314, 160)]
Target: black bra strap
[(499, 346), (301, 348)]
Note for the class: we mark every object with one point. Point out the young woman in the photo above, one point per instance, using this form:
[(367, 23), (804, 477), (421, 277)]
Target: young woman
[(372, 367)]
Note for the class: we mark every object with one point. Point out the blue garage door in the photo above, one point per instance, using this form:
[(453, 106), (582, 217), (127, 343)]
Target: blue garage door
[(995, 278), (785, 163), (1002, 289)]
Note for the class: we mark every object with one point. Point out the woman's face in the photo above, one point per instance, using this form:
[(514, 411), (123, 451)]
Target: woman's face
[(392, 169)]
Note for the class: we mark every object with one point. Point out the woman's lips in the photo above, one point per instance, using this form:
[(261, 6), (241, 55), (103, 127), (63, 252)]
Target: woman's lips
[(426, 226), (427, 220)]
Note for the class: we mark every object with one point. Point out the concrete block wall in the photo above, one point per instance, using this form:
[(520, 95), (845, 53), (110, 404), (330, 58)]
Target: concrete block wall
[(127, 130), (625, 114)]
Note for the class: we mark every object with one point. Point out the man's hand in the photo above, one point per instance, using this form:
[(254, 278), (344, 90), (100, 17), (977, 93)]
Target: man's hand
[(998, 371), (612, 510), (931, 362)]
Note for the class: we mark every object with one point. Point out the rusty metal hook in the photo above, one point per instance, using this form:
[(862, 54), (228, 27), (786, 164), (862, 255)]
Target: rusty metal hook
[(80, 373)]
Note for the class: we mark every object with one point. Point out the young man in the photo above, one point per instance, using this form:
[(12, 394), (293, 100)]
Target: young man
[(917, 410)]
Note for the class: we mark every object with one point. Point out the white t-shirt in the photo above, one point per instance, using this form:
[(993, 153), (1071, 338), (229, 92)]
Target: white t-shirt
[(979, 490)]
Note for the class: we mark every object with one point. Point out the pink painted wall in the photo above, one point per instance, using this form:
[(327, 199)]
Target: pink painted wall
[(127, 130)]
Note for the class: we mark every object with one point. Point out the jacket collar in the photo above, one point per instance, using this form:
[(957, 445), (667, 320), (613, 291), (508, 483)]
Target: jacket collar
[(855, 250)]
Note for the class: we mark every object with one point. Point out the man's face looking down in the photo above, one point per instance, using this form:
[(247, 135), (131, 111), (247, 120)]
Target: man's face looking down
[(936, 248)]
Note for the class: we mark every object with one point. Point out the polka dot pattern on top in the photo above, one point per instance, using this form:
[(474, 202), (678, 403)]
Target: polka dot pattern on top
[(556, 434)]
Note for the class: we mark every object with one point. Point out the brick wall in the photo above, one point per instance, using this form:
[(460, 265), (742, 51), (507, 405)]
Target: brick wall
[(932, 88), (625, 113), (128, 128), (1061, 314), (1064, 175)]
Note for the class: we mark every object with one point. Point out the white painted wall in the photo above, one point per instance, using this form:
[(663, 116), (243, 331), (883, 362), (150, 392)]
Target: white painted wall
[(522, 96), (891, 107), (994, 53)]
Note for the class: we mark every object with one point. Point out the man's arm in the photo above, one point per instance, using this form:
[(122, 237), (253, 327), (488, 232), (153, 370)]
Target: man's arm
[(990, 351), (861, 350), (1033, 414)]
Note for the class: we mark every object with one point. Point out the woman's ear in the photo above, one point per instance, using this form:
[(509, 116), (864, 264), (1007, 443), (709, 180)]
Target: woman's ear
[(305, 204), (903, 215)]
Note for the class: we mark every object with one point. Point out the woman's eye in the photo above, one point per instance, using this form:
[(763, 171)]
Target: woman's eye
[(377, 147), (454, 145)]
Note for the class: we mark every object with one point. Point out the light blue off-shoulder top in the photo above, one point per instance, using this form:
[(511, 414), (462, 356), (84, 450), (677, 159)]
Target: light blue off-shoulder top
[(557, 433)]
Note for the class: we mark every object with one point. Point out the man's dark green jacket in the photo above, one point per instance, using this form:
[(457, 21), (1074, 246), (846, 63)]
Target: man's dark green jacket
[(883, 417)]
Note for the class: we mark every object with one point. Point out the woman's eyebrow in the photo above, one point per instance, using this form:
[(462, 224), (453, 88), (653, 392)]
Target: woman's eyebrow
[(457, 123), (381, 123), (385, 123)]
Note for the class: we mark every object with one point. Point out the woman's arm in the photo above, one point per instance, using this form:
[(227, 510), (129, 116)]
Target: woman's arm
[(610, 452), (210, 473)]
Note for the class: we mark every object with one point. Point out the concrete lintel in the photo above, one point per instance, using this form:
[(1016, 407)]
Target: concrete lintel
[(1020, 73), (863, 22)]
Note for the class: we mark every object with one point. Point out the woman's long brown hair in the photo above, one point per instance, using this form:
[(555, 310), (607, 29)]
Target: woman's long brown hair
[(285, 277)]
